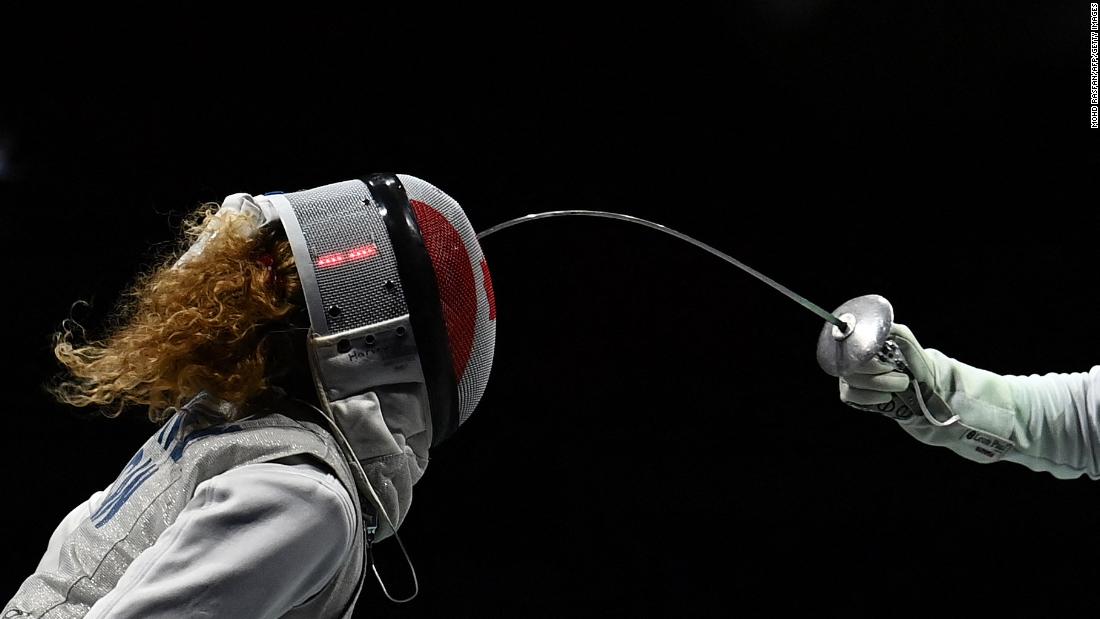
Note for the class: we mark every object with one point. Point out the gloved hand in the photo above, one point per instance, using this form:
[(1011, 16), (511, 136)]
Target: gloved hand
[(968, 410), (881, 387)]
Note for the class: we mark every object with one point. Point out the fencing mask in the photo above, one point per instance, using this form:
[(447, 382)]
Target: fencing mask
[(402, 320)]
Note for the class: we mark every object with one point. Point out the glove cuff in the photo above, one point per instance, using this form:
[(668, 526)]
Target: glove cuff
[(982, 400)]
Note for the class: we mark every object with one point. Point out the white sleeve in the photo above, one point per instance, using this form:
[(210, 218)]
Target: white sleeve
[(52, 557), (255, 541), (1057, 425)]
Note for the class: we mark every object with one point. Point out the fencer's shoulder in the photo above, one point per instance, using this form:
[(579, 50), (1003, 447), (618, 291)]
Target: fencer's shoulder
[(257, 540), (302, 492)]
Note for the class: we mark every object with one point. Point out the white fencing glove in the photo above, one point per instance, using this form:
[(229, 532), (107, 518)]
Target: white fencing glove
[(1047, 423)]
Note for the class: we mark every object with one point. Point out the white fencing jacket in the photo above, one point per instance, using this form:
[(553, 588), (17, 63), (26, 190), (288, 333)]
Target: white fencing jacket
[(275, 533), (250, 518)]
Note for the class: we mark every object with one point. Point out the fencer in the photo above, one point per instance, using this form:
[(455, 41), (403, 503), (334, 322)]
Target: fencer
[(302, 353)]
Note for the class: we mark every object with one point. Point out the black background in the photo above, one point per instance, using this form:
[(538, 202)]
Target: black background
[(656, 439)]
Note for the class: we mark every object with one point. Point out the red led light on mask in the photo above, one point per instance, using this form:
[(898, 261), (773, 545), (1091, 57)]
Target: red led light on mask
[(354, 254)]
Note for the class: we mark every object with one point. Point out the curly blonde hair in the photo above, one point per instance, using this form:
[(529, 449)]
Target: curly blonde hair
[(202, 326)]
